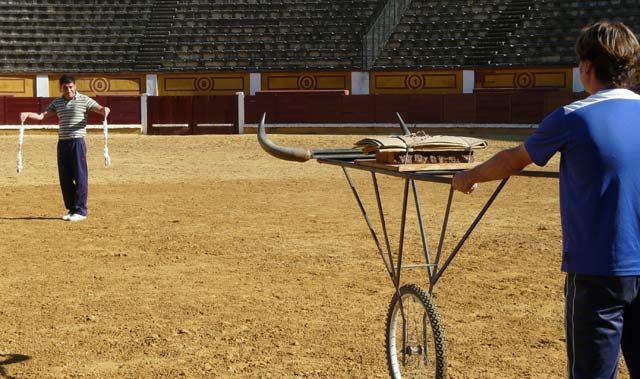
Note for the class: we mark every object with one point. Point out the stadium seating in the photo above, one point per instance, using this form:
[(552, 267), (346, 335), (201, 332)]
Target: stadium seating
[(249, 35), (226, 35), (517, 33), (548, 36), (48, 35), (452, 34)]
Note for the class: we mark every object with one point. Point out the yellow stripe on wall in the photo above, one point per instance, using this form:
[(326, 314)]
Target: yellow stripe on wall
[(102, 85), (202, 84), (535, 78), (410, 82), (19, 86), (306, 81)]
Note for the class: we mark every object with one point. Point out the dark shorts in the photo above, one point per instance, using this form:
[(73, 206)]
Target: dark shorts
[(602, 314)]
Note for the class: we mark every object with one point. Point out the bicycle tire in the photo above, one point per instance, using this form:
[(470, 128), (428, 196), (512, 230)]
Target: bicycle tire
[(424, 332)]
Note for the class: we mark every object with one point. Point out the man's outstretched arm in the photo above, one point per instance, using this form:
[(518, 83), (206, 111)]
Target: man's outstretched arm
[(503, 164), (36, 116)]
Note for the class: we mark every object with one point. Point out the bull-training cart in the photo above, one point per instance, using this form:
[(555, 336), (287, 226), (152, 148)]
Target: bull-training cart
[(415, 338)]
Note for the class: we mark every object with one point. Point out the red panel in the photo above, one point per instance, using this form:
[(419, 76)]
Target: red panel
[(388, 105), (325, 108), (251, 114), (157, 109), (262, 104), (493, 107), (459, 108), (527, 107), (555, 100), (296, 106), (16, 105), (183, 110), (124, 110), (215, 110), (358, 109), (193, 110), (313, 106), (153, 106), (292, 107), (2, 110), (203, 111), (169, 110), (425, 109), (211, 109), (160, 110), (227, 107)]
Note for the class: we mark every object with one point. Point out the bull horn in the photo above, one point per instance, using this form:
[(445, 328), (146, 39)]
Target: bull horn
[(404, 127), (296, 154)]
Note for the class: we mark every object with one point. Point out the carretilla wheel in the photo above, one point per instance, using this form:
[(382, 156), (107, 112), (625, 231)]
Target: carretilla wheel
[(415, 342)]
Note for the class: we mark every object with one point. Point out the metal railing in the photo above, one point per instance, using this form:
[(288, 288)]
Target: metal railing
[(381, 29)]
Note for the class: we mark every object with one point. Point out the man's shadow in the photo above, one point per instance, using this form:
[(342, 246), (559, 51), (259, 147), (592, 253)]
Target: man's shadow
[(7, 359)]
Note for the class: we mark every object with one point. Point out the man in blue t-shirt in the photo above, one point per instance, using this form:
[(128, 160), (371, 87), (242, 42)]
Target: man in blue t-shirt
[(599, 142)]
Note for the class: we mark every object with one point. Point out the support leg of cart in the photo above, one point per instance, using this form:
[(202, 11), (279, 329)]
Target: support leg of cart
[(415, 338)]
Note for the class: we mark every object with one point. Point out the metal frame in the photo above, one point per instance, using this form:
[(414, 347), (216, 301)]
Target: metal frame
[(345, 158), (434, 267)]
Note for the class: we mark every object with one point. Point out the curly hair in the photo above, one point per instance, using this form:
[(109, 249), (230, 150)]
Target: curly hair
[(613, 50)]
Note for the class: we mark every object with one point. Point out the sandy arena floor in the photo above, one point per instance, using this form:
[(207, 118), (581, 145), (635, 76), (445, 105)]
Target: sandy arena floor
[(203, 257)]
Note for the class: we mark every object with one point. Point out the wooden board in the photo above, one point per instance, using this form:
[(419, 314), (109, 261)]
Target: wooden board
[(417, 167)]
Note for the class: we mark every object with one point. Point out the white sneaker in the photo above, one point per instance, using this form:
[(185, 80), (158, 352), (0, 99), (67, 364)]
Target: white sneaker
[(77, 217), (66, 217)]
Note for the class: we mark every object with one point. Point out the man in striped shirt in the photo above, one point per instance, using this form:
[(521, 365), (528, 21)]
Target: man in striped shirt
[(71, 108)]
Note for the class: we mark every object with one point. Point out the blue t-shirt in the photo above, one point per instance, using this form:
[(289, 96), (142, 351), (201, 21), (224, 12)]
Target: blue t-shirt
[(599, 142)]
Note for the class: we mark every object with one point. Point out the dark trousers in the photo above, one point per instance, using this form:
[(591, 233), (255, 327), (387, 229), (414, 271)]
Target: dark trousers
[(602, 315), (73, 174)]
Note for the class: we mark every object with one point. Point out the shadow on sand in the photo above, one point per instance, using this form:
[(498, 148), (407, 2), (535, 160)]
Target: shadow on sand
[(7, 359)]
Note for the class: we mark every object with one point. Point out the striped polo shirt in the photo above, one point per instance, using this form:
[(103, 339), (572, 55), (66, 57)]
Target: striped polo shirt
[(72, 115)]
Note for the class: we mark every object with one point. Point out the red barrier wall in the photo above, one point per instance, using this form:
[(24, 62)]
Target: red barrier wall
[(513, 107), (125, 110), (192, 114), (219, 114), (13, 106), (459, 108)]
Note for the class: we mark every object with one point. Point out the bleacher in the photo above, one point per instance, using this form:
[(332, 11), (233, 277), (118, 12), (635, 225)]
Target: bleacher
[(182, 35), (516, 33), (247, 35), (252, 35), (451, 34), (548, 36), (48, 35)]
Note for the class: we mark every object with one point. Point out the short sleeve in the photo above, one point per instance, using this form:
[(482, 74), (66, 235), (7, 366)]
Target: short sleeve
[(91, 103), (551, 136), (52, 107)]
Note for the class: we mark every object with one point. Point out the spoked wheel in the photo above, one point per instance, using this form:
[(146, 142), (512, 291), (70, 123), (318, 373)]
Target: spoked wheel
[(415, 337)]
